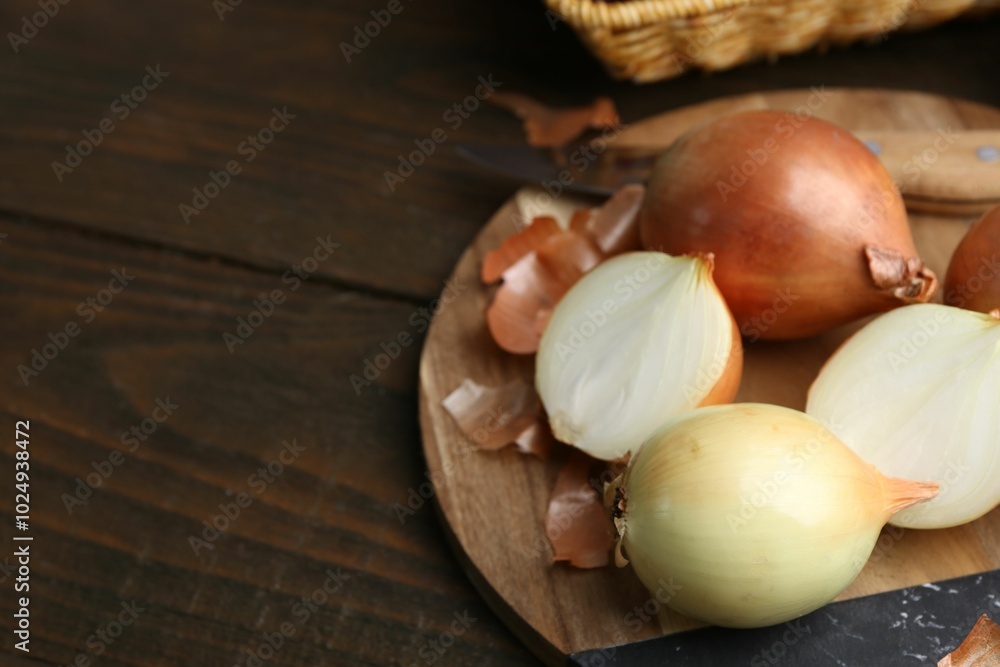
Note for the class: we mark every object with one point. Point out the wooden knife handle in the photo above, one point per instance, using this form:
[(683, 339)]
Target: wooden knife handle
[(947, 170)]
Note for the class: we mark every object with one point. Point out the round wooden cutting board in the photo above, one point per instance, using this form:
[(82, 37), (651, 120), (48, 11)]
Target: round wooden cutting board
[(493, 503)]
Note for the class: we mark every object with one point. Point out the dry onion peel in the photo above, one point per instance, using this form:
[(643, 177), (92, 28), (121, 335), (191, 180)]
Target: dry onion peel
[(641, 338), (493, 417), (613, 226), (980, 649), (805, 222), (548, 127), (538, 267), (916, 393), (536, 439), (579, 219), (566, 257), (532, 287), (756, 513), (516, 246), (973, 278), (576, 522)]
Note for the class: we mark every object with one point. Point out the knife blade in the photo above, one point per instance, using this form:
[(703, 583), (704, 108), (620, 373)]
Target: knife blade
[(942, 171)]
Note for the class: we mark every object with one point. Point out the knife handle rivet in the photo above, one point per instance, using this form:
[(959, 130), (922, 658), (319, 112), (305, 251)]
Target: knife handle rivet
[(874, 146), (988, 153)]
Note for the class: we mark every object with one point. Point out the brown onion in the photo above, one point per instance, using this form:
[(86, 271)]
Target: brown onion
[(808, 229), (973, 278)]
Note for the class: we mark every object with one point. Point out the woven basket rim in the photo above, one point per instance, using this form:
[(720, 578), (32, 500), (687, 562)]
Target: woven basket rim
[(636, 13)]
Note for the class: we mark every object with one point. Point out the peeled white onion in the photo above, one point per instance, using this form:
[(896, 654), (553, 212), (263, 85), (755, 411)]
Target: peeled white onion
[(641, 338), (916, 393)]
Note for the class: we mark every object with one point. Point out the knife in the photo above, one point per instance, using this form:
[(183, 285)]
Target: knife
[(879, 629), (942, 171)]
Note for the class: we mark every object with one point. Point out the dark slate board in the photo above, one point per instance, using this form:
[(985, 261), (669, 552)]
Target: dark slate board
[(908, 627)]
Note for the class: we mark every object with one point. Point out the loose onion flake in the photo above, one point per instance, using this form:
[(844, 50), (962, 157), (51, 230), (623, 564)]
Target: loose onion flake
[(980, 649), (548, 127), (577, 524), (494, 417), (541, 262)]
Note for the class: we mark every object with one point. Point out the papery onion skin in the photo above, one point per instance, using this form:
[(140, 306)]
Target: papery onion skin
[(665, 343), (814, 237), (541, 262), (973, 278), (755, 514), (916, 392)]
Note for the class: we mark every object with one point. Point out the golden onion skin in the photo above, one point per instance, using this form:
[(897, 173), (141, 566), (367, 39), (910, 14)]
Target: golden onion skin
[(973, 278), (808, 228)]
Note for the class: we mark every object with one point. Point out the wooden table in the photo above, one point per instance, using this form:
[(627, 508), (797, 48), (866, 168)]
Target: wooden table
[(154, 412)]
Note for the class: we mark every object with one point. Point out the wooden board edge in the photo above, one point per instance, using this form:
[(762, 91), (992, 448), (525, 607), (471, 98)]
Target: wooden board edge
[(536, 642)]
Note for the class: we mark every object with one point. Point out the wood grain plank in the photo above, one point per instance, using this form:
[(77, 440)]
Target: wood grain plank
[(323, 175), (325, 172), (331, 508)]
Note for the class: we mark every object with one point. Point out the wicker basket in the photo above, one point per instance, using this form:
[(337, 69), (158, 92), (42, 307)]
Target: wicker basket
[(649, 40)]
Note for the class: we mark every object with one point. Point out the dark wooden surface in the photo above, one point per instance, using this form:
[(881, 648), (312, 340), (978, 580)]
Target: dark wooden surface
[(162, 336)]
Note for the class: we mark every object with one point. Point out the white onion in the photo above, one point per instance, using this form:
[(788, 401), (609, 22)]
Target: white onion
[(641, 338), (756, 513), (916, 393)]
